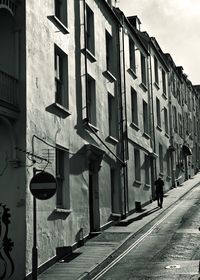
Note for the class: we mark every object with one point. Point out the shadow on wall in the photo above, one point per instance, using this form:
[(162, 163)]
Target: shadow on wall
[(78, 162), (56, 215)]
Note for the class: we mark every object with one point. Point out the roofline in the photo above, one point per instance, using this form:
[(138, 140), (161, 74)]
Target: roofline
[(134, 30), (111, 11), (159, 51)]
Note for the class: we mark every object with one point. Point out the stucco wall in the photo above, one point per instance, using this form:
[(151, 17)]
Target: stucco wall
[(62, 229)]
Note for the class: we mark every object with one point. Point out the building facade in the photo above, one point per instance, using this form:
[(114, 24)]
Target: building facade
[(88, 97)]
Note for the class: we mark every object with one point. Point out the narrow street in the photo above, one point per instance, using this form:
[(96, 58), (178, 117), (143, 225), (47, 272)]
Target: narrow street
[(168, 250)]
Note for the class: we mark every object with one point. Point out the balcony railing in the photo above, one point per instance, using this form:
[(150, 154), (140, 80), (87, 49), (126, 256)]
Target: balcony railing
[(8, 89)]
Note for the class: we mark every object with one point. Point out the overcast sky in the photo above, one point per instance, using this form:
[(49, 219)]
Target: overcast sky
[(176, 26)]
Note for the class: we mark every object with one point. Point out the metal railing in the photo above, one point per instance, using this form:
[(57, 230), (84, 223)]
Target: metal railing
[(8, 89)]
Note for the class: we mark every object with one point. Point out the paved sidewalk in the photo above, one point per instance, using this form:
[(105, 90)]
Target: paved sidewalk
[(96, 252)]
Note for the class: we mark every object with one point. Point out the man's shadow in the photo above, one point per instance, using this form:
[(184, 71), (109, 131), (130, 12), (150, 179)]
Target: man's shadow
[(139, 217)]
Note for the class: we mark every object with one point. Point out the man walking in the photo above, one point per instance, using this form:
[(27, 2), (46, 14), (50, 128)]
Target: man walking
[(159, 183)]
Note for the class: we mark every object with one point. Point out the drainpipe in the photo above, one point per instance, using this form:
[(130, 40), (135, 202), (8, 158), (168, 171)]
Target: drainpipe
[(153, 143), (85, 51), (171, 130), (124, 119)]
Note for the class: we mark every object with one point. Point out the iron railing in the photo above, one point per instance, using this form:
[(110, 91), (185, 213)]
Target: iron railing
[(8, 89)]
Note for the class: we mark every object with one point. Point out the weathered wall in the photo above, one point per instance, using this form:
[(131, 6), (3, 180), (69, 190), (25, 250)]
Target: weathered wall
[(65, 229), (161, 137), (137, 192)]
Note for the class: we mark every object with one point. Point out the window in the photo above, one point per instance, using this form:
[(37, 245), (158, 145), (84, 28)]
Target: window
[(178, 92), (137, 165), (175, 119), (161, 158), (109, 52), (61, 77), (61, 10), (62, 177), (112, 183), (166, 120), (90, 30), (132, 54), (143, 69), (195, 125), (145, 118), (156, 70), (168, 163), (146, 164), (91, 100), (180, 125), (112, 116), (158, 112), (164, 82), (134, 107)]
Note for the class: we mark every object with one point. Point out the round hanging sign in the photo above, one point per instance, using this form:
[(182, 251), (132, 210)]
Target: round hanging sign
[(43, 185)]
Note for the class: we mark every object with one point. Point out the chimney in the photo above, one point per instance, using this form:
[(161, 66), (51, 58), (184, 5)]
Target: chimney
[(135, 22)]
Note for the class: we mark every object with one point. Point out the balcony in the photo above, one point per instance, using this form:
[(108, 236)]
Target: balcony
[(8, 95)]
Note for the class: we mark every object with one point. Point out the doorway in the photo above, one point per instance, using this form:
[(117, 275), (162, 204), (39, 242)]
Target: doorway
[(94, 202)]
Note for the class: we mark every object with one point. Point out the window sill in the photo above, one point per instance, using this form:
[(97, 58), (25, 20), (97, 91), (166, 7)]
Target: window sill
[(148, 186), (93, 127), (161, 173), (58, 24), (112, 140), (166, 134), (62, 210), (135, 126), (143, 86), (156, 85), (132, 73), (153, 155), (58, 110), (158, 127), (164, 96), (89, 55), (137, 183), (146, 135), (109, 76)]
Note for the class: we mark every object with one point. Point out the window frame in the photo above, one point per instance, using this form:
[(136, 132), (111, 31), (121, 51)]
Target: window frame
[(156, 75), (143, 69), (109, 52), (158, 112), (137, 165), (161, 158), (62, 177), (166, 120), (164, 85), (134, 107), (145, 117), (61, 77), (91, 101), (60, 11), (112, 116), (90, 28), (146, 169), (132, 56)]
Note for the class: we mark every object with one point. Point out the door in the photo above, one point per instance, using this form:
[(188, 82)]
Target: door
[(94, 202)]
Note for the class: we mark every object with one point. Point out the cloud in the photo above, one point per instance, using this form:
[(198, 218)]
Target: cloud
[(175, 24)]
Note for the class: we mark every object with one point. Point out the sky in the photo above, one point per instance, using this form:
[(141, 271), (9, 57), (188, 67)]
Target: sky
[(176, 26)]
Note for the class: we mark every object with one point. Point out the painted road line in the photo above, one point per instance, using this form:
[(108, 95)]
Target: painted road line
[(138, 241)]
